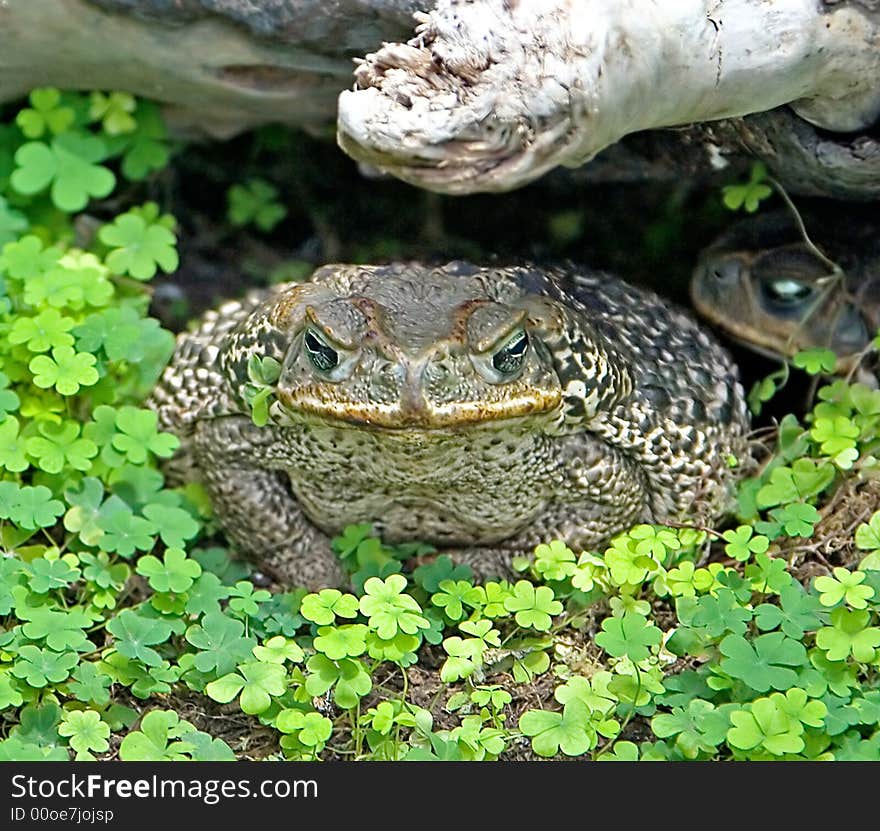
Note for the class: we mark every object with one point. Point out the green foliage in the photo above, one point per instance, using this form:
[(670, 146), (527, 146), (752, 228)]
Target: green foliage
[(670, 643), (750, 194), (255, 203)]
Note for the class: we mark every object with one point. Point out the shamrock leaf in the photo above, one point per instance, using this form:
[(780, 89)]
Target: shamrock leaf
[(742, 543), (846, 585), (555, 561), (175, 573), (454, 595), (255, 202), (568, 731), (69, 165), (532, 607), (764, 723), (849, 634), (175, 525), (311, 729), (816, 361), (698, 728), (85, 731), (631, 636), (45, 113), (60, 445), (66, 370), (41, 333), (279, 650), (50, 574), (324, 607), (34, 507), (114, 111), (750, 194), (389, 610), (136, 635), (765, 663), (256, 681), (138, 248), (348, 678), (153, 742), (796, 614), (89, 685), (338, 642), (40, 667), (12, 448), (139, 435), (867, 534), (221, 642)]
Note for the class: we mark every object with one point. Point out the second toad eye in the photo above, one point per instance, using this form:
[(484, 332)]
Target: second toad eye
[(786, 292), (509, 358), (323, 356)]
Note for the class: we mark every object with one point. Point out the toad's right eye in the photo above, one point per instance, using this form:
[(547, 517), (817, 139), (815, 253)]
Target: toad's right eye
[(323, 356)]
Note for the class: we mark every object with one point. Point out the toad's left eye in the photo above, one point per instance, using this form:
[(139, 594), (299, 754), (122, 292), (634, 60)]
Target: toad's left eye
[(510, 357)]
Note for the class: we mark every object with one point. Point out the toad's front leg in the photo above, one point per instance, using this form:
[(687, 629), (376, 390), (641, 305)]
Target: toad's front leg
[(255, 506)]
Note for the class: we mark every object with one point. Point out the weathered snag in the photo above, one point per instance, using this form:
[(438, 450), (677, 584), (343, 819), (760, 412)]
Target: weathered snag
[(491, 94)]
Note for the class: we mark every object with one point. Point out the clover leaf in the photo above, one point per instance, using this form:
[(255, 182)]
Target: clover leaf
[(750, 194), (85, 731), (698, 728), (555, 561), (742, 542), (324, 607), (765, 663), (50, 574), (139, 435), (845, 586), (13, 455), (255, 202), (221, 643), (338, 642), (69, 163), (311, 729), (389, 610), (454, 595), (816, 361), (61, 445), (153, 742), (849, 634), (279, 650), (867, 534), (34, 507), (66, 370), (631, 636), (42, 332), (257, 682), (796, 614), (114, 111), (139, 248), (532, 607), (136, 635), (45, 113), (174, 573), (347, 677), (568, 731), (764, 723), (89, 685), (39, 667)]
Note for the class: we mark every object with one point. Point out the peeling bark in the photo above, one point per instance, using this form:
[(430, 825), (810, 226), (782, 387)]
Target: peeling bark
[(491, 94)]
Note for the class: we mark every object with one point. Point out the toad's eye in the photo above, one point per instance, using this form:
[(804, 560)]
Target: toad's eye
[(510, 357), (787, 292), (321, 354)]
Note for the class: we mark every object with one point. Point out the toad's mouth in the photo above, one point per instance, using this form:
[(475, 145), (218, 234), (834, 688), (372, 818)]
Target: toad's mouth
[(415, 416)]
